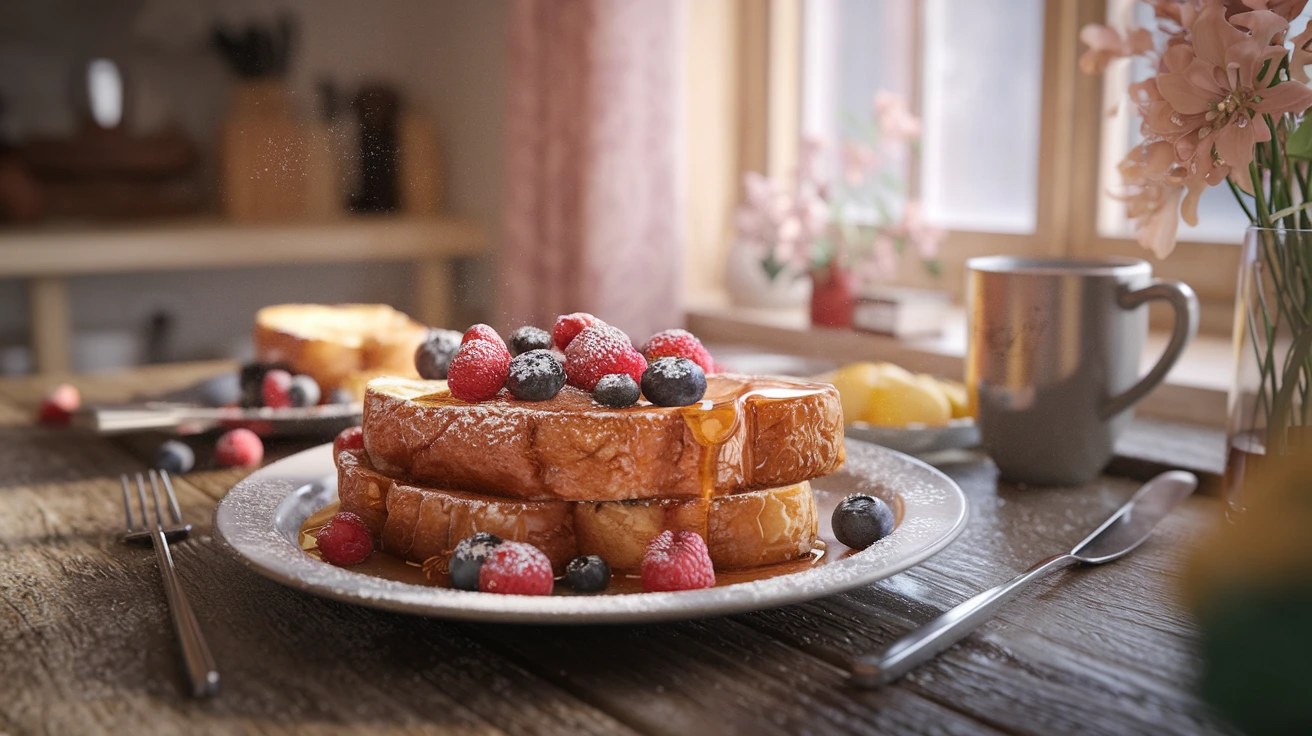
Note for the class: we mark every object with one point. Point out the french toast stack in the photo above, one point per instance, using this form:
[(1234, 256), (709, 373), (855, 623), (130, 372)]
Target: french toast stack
[(573, 478)]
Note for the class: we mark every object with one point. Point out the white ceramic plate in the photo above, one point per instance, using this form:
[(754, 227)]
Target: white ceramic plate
[(918, 440), (260, 518)]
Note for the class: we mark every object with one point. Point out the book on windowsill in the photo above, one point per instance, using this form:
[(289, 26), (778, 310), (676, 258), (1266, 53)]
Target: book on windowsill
[(900, 312)]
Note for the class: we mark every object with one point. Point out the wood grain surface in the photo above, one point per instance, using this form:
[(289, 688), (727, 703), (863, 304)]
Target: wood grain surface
[(88, 647)]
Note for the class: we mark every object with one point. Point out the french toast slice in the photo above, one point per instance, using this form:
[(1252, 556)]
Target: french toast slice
[(341, 345), (423, 524), (747, 433)]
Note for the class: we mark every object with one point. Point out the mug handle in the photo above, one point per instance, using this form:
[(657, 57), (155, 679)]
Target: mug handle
[(1185, 303)]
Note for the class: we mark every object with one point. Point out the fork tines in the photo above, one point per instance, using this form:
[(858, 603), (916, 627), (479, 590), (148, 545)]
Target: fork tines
[(174, 530)]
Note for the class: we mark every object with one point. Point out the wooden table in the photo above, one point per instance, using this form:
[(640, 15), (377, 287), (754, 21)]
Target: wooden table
[(87, 646)]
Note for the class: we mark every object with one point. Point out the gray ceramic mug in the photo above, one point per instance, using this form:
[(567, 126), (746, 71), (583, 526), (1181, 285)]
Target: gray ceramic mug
[(1053, 360)]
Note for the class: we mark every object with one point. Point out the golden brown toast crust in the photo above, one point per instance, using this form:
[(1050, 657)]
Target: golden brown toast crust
[(748, 433), (419, 524), (342, 345)]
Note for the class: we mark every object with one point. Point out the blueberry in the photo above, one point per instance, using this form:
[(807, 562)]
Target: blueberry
[(587, 574), (529, 338), (341, 395), (535, 376), (304, 391), (861, 520), (468, 557), (433, 356), (221, 390), (617, 391), (673, 382), (175, 457)]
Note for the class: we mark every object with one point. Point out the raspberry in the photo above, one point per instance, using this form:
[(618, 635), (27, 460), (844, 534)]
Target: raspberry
[(58, 405), (677, 561), (481, 331), (478, 370), (276, 388), (516, 568), (351, 438), (239, 447), (345, 540), (568, 327), (600, 351), (679, 344)]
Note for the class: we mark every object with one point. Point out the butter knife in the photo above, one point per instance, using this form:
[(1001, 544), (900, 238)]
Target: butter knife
[(1118, 536)]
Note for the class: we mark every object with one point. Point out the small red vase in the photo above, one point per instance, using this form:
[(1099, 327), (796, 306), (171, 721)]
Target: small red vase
[(833, 297)]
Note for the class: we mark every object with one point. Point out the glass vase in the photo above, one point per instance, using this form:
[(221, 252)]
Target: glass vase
[(1268, 410)]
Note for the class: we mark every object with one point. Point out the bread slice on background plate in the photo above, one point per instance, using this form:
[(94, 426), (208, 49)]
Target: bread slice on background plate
[(342, 345)]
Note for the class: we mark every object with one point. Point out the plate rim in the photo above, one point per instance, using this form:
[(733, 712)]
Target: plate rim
[(267, 552)]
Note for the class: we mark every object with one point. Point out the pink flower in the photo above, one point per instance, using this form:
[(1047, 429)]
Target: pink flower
[(1106, 44), (859, 159), (1214, 91), (913, 227), (1301, 57), (1154, 195), (896, 123)]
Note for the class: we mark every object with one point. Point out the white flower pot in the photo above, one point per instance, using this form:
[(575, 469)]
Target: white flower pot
[(749, 285)]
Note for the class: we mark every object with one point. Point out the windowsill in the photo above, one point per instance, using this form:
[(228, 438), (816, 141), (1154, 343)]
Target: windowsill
[(1194, 391)]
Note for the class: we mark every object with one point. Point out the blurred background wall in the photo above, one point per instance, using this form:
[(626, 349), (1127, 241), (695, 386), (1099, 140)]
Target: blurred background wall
[(446, 58)]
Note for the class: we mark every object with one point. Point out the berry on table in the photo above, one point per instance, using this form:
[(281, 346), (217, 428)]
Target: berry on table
[(303, 391), (351, 438), (433, 356), (345, 540), (238, 447), (221, 390), (175, 457), (275, 388), (568, 327), (535, 376), (616, 390), (481, 331), (588, 574), (861, 520), (678, 344), (478, 370), (674, 382), (677, 561), (600, 351), (516, 568), (58, 406), (468, 557), (529, 338)]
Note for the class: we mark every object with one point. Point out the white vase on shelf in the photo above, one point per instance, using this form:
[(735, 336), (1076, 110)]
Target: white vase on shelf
[(750, 286)]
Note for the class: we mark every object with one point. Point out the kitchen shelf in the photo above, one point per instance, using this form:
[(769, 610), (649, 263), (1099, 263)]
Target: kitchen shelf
[(47, 256)]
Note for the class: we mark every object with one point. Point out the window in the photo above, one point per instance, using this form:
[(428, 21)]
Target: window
[(974, 70), (1017, 152)]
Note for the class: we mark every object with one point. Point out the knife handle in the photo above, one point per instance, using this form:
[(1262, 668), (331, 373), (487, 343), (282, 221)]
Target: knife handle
[(929, 640)]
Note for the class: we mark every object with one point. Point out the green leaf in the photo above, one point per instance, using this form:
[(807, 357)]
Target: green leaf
[(1299, 144)]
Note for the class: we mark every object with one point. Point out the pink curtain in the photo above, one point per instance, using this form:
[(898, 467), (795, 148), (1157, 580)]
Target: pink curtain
[(594, 206)]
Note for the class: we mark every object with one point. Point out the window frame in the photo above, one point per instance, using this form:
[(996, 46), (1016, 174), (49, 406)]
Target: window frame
[(1070, 141)]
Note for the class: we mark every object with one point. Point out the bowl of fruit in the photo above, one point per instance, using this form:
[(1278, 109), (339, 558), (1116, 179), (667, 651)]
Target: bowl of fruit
[(915, 413)]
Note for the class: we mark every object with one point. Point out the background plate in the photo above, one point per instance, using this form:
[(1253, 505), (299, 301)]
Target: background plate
[(959, 434), (260, 517)]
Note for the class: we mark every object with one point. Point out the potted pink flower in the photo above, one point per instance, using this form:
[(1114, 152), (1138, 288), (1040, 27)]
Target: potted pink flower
[(840, 231)]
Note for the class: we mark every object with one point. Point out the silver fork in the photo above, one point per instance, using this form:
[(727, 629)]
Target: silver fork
[(201, 669)]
